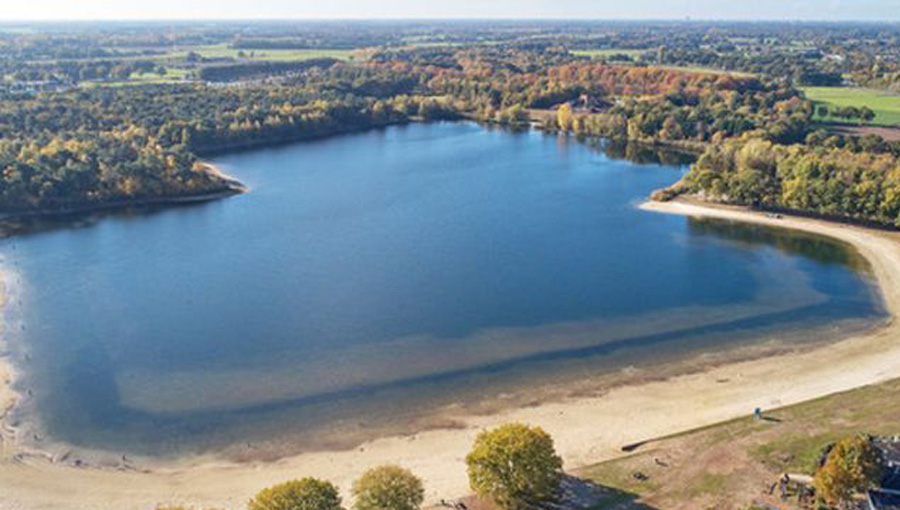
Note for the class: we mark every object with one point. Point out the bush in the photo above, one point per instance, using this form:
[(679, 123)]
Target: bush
[(305, 494), (515, 466), (852, 466), (388, 488)]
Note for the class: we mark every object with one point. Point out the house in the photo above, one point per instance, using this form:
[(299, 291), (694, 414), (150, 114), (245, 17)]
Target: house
[(35, 86), (587, 103), (881, 500), (887, 497)]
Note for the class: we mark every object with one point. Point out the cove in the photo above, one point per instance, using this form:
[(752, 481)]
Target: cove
[(375, 278)]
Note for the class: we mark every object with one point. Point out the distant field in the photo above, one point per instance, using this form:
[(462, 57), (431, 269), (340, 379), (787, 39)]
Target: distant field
[(606, 53), (173, 75), (425, 42), (885, 105), (224, 51), (177, 56), (17, 30), (709, 70), (296, 55)]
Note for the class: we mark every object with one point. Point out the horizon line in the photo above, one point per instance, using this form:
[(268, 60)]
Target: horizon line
[(686, 19)]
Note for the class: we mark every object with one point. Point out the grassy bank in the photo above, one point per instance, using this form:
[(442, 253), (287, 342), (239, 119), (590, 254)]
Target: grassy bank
[(731, 465)]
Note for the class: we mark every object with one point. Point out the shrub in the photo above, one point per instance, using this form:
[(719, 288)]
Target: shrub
[(388, 488), (304, 494)]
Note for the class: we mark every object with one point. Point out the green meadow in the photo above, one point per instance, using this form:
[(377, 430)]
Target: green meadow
[(885, 105), (285, 55), (608, 52), (709, 70), (179, 74)]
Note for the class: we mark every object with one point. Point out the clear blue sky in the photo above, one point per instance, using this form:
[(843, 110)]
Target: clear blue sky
[(833, 10)]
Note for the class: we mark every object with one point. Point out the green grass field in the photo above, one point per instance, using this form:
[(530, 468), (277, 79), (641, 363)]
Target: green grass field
[(224, 51), (292, 55), (885, 105), (173, 75), (606, 53), (601, 54), (709, 70), (178, 74)]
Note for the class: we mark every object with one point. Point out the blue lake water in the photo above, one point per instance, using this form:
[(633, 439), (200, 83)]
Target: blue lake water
[(368, 278)]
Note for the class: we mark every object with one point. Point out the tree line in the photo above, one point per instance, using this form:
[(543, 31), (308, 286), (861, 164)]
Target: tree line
[(516, 467), (112, 145), (831, 182), (63, 151)]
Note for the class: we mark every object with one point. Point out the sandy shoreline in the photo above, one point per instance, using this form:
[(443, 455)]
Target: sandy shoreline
[(586, 430)]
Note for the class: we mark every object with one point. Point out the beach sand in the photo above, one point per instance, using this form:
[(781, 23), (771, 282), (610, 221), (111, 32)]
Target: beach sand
[(586, 429)]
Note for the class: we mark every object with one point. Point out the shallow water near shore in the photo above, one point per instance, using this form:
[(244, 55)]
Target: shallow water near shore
[(368, 282)]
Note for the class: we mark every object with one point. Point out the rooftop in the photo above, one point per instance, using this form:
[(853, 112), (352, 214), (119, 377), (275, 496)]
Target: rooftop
[(880, 500)]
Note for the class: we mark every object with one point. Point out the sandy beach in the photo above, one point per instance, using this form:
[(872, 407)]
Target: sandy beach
[(586, 429)]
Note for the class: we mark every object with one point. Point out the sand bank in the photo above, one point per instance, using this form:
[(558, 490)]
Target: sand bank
[(586, 429)]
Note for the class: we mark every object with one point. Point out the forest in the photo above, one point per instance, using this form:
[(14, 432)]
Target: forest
[(83, 121), (831, 182)]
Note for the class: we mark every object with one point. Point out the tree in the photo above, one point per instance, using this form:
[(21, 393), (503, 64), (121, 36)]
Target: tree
[(304, 494), (671, 129), (852, 466), (866, 114), (388, 488), (564, 117), (514, 465)]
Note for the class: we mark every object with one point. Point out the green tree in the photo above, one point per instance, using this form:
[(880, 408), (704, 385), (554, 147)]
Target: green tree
[(514, 465), (866, 114), (852, 466), (304, 494), (388, 488)]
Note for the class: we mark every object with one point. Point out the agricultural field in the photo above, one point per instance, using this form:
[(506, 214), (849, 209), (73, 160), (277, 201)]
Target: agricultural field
[(634, 54), (885, 105), (172, 75), (283, 55), (709, 70), (609, 52), (179, 67), (226, 51)]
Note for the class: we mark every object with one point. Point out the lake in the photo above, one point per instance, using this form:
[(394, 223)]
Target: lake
[(371, 282)]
